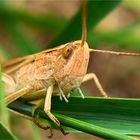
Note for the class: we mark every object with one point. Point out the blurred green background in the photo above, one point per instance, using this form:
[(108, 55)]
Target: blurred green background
[(29, 26)]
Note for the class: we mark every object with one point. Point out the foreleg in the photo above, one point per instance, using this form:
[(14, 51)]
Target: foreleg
[(47, 106)]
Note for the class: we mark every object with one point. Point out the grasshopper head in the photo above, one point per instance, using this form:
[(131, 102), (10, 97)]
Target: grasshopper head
[(72, 65), (78, 58)]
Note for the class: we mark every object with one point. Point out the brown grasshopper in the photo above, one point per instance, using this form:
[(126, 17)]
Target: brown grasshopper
[(55, 71)]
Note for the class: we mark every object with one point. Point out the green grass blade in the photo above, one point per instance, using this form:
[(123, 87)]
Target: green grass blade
[(2, 104), (4, 116), (96, 11), (91, 128), (85, 127), (119, 115), (5, 134)]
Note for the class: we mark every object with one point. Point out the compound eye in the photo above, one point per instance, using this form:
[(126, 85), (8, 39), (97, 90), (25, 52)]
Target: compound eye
[(67, 52)]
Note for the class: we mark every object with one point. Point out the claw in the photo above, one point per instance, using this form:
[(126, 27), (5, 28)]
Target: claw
[(62, 130), (51, 133)]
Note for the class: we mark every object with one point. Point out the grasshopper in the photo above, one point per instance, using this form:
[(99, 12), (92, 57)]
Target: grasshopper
[(56, 71)]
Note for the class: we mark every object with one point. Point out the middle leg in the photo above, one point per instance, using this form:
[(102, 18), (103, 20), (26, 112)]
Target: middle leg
[(93, 76)]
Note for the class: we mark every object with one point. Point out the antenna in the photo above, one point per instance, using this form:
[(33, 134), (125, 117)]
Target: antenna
[(84, 29), (114, 52)]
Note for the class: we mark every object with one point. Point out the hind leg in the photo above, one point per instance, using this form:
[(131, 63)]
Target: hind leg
[(15, 95)]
